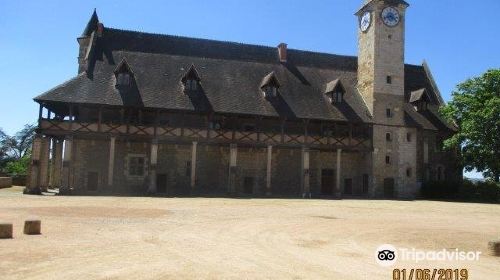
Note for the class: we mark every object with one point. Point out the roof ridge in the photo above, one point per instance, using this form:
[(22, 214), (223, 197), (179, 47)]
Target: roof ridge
[(267, 47)]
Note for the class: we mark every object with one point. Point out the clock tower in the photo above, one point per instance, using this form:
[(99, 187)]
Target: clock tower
[(381, 79)]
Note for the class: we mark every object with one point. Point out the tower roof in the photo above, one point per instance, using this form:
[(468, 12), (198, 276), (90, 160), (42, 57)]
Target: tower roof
[(367, 3), (91, 25)]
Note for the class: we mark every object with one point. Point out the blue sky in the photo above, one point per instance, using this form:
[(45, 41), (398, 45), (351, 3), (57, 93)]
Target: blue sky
[(38, 48)]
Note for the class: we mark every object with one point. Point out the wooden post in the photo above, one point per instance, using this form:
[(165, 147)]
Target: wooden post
[(33, 185), (269, 169), (305, 173), (70, 117), (152, 167), (44, 164), (66, 177), (99, 121), (338, 192), (55, 169), (111, 161), (233, 152), (40, 115), (193, 165)]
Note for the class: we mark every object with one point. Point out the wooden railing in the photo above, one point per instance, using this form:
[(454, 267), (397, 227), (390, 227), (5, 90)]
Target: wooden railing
[(58, 127)]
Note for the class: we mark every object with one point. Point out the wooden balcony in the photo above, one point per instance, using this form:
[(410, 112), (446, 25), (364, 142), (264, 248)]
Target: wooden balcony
[(167, 134)]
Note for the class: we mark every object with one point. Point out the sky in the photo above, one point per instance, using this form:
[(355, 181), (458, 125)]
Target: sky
[(38, 49)]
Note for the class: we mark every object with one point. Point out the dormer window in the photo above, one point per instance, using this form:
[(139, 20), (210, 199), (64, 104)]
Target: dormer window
[(335, 91), (124, 75), (270, 85), (191, 85), (191, 80), (420, 99), (270, 91), (123, 79)]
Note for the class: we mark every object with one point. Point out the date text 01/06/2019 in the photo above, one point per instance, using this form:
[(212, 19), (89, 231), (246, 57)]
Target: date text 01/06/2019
[(430, 274)]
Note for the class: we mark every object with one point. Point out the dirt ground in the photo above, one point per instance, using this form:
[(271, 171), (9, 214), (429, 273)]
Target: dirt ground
[(216, 238)]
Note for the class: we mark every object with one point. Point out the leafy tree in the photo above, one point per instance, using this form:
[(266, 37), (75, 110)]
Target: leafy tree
[(475, 109), (20, 143), (3, 148)]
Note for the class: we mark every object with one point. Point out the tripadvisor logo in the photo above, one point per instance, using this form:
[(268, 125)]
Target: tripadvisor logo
[(387, 255)]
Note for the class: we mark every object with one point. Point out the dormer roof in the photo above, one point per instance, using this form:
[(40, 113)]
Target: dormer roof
[(270, 79), (419, 95), (192, 74), (334, 86)]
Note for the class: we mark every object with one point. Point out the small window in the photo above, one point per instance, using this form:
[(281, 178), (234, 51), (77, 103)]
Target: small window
[(388, 112), (188, 168), (365, 183), (339, 97), (388, 137), (191, 85), (388, 159), (408, 137), (136, 166), (270, 91), (389, 79), (123, 79), (408, 172)]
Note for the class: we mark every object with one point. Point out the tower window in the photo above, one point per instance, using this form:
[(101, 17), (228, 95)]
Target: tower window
[(408, 172), (389, 79), (408, 137), (388, 112), (388, 137), (387, 159)]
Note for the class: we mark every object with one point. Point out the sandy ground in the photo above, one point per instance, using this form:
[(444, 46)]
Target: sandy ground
[(201, 238)]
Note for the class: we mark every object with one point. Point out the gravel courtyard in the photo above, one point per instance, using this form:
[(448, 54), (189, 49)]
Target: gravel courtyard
[(214, 238)]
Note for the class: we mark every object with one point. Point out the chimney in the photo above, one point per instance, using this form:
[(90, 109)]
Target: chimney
[(100, 29), (282, 52)]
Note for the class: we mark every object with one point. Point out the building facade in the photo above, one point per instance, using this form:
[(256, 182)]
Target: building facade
[(160, 114)]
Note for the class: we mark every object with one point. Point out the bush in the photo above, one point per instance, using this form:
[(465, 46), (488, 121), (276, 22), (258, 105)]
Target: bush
[(466, 191), (440, 190)]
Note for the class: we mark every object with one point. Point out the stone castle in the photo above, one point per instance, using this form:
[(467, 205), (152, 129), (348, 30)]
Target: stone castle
[(161, 114)]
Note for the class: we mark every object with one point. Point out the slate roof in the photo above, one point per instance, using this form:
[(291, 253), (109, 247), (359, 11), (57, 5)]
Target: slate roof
[(230, 78)]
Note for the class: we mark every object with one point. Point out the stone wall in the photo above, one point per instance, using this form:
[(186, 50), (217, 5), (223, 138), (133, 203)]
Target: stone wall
[(5, 182)]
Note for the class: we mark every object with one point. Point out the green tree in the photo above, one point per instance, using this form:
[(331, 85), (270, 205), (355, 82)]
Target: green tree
[(20, 143), (475, 109)]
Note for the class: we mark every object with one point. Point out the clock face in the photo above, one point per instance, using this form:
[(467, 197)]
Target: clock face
[(391, 16), (365, 21)]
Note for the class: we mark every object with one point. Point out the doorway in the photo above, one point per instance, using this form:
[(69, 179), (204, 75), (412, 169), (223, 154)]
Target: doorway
[(389, 188), (161, 183), (327, 181), (92, 181), (248, 183)]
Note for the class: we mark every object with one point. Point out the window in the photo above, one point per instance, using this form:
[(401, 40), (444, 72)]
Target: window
[(388, 137), (388, 159), (136, 166), (388, 112), (339, 96), (365, 183), (408, 137), (440, 173), (270, 91), (389, 79), (191, 85), (408, 172), (123, 79), (188, 168), (421, 106)]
